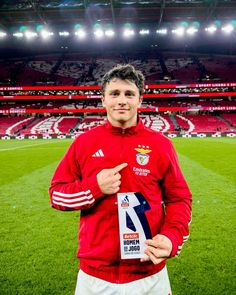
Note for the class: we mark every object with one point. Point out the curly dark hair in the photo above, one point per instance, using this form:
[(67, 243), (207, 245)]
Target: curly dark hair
[(124, 72)]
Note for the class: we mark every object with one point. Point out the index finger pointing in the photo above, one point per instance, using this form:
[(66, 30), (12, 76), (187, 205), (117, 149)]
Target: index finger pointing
[(119, 167)]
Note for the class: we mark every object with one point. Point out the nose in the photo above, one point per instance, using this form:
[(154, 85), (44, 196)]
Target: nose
[(122, 99)]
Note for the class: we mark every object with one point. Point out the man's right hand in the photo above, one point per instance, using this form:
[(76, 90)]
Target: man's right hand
[(109, 180)]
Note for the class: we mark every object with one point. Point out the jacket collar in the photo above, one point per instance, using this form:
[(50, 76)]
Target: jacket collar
[(129, 130)]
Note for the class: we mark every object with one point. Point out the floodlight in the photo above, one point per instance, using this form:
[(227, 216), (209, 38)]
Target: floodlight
[(191, 31), (179, 31), (109, 33), (46, 34), (30, 34), (64, 34), (162, 31), (228, 29), (18, 35), (144, 32), (211, 29), (98, 33), (3, 34), (128, 33), (80, 34)]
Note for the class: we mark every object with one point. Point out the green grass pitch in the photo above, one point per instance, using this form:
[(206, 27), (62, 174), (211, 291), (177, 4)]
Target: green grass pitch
[(38, 244)]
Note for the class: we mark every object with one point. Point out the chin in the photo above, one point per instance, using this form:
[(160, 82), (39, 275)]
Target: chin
[(121, 117)]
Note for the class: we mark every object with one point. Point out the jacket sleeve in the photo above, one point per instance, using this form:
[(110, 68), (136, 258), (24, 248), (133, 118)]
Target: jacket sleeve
[(68, 189), (177, 202)]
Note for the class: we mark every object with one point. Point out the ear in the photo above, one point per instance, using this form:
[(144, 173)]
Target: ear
[(140, 100), (103, 101)]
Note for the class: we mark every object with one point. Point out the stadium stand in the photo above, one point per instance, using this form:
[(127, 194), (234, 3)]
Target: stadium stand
[(65, 124), (207, 123), (183, 69), (52, 125), (223, 68), (184, 124), (21, 123), (9, 125), (230, 118), (96, 103), (90, 122), (74, 69), (161, 123)]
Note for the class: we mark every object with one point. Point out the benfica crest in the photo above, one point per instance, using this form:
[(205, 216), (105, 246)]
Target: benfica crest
[(142, 157)]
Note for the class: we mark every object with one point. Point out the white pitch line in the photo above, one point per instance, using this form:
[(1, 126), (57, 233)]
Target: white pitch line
[(26, 146)]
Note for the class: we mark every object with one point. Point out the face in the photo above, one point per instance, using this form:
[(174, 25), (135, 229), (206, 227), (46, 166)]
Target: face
[(121, 100)]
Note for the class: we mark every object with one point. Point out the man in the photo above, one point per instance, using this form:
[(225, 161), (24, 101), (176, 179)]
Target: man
[(104, 171)]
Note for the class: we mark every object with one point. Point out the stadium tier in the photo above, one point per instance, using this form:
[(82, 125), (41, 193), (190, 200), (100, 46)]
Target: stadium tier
[(10, 125), (50, 125), (184, 124), (230, 118), (74, 69), (174, 109), (168, 124), (206, 123), (19, 107)]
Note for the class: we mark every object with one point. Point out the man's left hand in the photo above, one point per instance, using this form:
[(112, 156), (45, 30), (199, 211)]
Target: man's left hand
[(158, 249)]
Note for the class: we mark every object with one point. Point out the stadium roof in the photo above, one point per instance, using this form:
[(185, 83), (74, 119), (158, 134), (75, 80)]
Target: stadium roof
[(160, 11), (66, 15)]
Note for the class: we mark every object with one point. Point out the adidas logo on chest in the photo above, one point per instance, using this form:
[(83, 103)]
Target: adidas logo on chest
[(98, 154)]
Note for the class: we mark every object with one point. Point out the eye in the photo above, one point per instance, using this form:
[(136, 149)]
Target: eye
[(115, 93), (129, 94)]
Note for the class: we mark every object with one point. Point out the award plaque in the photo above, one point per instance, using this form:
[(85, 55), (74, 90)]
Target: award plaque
[(133, 225)]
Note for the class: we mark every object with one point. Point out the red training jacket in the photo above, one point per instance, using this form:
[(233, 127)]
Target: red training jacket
[(153, 171)]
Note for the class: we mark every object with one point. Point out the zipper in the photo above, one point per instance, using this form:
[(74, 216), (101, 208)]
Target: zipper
[(122, 137), (122, 145)]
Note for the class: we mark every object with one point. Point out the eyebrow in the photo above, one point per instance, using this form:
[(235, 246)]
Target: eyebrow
[(113, 90), (117, 90)]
